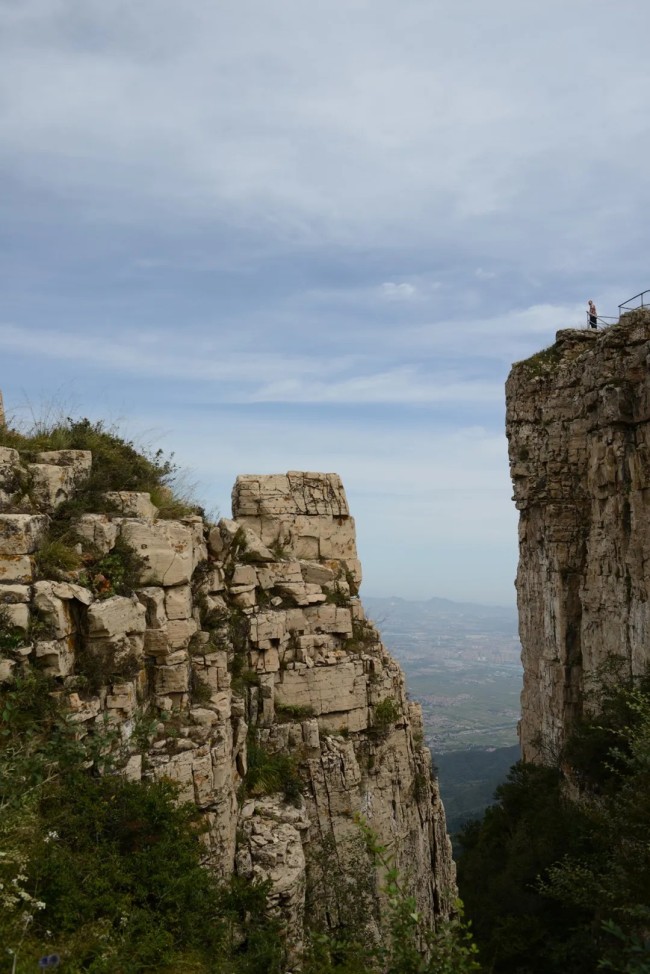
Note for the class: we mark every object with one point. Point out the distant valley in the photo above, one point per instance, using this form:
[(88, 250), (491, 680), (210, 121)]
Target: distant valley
[(462, 663)]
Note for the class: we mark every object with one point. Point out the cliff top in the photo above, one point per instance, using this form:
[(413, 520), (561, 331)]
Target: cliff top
[(570, 343)]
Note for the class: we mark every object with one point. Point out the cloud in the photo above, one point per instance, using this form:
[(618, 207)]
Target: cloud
[(251, 376), (332, 122), (401, 292), (345, 215)]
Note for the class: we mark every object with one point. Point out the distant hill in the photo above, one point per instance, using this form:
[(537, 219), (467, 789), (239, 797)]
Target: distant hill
[(409, 614)]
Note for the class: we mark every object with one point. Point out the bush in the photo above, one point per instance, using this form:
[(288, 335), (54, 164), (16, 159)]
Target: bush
[(118, 465), (55, 557), (269, 773), (287, 712), (117, 573), (384, 716), (108, 873), (409, 945), (554, 882)]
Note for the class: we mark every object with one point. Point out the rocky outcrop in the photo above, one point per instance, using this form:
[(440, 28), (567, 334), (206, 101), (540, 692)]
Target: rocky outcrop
[(578, 426), (241, 666)]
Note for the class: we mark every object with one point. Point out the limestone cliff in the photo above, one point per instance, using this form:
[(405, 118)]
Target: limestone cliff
[(241, 641), (579, 439)]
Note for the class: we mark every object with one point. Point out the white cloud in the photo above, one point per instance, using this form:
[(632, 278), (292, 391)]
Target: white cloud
[(400, 291)]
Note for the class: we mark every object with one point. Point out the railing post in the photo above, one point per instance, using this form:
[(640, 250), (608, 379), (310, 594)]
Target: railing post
[(3, 421)]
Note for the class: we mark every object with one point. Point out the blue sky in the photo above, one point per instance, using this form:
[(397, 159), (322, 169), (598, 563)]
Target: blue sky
[(272, 235)]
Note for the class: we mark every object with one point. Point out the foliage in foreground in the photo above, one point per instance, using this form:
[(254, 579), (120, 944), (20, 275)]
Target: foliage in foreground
[(557, 878), (409, 944), (108, 873), (104, 872)]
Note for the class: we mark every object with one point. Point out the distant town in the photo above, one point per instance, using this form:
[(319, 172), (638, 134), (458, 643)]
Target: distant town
[(462, 663)]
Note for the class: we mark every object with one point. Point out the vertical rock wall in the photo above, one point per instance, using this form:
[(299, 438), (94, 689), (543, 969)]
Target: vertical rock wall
[(239, 639), (578, 426)]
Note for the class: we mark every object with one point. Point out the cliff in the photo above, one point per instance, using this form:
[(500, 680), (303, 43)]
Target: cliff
[(579, 443), (236, 660)]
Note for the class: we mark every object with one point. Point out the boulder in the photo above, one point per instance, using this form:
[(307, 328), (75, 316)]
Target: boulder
[(167, 549), (21, 534), (131, 503)]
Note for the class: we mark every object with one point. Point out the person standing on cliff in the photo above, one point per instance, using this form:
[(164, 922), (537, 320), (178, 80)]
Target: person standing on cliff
[(593, 315)]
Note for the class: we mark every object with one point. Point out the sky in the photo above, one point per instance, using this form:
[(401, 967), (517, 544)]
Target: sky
[(274, 235)]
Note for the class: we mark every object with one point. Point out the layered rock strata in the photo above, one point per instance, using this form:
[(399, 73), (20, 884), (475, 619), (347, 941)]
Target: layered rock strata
[(578, 426), (243, 637)]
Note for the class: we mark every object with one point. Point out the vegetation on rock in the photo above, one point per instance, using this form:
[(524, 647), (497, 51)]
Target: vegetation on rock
[(104, 872), (556, 876)]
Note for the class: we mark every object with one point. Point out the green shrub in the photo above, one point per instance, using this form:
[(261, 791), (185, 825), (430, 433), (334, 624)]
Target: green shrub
[(549, 878), (409, 944), (119, 572), (118, 465), (384, 715), (97, 669), (108, 873), (201, 691), (287, 711), (363, 636), (11, 637), (54, 557), (336, 596), (270, 772)]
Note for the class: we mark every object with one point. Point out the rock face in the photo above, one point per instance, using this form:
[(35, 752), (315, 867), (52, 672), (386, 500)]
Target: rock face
[(578, 425), (242, 643)]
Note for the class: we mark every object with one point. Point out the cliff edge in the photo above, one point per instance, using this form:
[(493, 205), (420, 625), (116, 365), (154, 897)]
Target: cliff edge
[(578, 430), (236, 660)]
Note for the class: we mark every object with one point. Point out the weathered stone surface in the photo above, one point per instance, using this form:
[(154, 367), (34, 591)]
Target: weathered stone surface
[(56, 476), (16, 569), (79, 461), (17, 615), (172, 679), (132, 503), (116, 616), (56, 655), (97, 530), (178, 602), (9, 457), (20, 534), (315, 573), (12, 594), (325, 689), (153, 599), (53, 601), (7, 667), (306, 514), (180, 631), (166, 546), (272, 851), (579, 441), (12, 475), (269, 639), (221, 539), (296, 492)]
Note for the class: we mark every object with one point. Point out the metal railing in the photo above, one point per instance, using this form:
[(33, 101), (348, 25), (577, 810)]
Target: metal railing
[(602, 320), (628, 306)]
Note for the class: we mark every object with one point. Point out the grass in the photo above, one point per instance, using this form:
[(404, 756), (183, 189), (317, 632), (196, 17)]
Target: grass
[(118, 465), (543, 362)]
